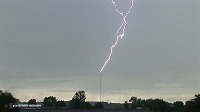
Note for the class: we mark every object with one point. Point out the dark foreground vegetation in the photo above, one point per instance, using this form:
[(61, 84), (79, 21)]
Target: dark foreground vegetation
[(78, 102)]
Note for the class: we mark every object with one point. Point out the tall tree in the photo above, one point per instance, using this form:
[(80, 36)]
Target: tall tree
[(80, 95), (49, 101), (78, 99)]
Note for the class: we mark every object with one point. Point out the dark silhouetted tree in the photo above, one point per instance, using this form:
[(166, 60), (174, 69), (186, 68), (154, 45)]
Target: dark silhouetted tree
[(197, 102), (193, 105), (178, 106), (78, 99), (32, 101), (189, 106), (49, 101), (6, 99), (157, 105), (60, 103), (137, 102), (133, 100)]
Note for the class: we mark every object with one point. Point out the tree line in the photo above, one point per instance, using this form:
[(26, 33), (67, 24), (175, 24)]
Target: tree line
[(78, 101), (159, 105)]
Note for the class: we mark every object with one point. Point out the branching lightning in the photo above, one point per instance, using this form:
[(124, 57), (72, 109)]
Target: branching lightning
[(122, 28)]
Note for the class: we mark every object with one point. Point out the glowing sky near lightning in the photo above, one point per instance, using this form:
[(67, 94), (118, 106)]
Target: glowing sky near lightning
[(120, 31)]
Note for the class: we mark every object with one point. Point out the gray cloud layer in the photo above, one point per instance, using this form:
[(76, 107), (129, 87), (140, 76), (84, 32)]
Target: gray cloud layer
[(61, 45)]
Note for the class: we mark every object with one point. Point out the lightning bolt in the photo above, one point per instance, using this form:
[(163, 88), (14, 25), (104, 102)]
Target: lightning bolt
[(122, 28)]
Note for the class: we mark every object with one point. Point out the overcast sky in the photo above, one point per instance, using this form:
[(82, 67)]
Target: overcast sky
[(57, 47)]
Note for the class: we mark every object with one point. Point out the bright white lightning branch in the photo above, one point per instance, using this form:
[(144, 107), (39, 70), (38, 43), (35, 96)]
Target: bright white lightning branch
[(121, 28)]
